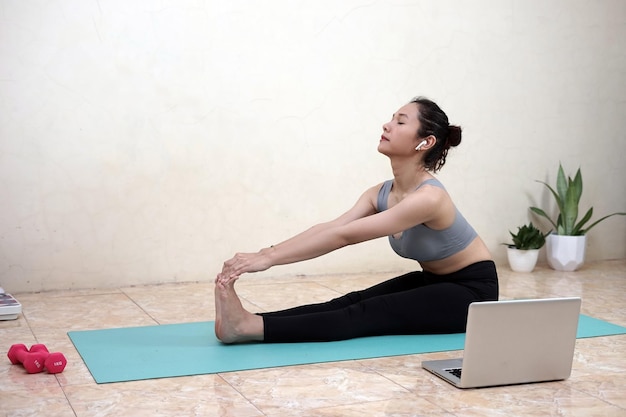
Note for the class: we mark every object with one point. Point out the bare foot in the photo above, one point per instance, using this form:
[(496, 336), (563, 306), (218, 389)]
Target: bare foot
[(233, 323), (218, 311)]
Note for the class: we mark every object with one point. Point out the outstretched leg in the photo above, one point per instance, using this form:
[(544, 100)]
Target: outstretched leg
[(233, 323), (402, 283)]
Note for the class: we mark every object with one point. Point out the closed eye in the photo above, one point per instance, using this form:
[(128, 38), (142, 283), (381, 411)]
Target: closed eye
[(400, 118)]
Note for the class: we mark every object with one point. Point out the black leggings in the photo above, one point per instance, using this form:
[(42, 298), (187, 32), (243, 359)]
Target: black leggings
[(414, 303)]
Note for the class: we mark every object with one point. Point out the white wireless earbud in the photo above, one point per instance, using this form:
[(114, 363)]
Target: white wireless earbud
[(422, 143)]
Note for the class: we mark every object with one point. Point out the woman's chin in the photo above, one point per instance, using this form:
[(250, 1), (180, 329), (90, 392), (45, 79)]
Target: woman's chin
[(381, 148)]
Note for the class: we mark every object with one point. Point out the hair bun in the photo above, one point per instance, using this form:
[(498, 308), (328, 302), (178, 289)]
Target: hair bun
[(454, 135)]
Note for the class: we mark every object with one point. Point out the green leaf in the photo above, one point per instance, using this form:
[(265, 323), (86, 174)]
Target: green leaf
[(578, 228), (582, 232), (561, 185), (570, 208), (543, 213), (578, 186), (559, 200)]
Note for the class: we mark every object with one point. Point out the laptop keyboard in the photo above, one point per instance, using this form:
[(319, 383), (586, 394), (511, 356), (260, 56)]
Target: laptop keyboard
[(455, 371)]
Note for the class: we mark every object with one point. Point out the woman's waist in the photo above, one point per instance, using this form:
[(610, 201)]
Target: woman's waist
[(475, 253)]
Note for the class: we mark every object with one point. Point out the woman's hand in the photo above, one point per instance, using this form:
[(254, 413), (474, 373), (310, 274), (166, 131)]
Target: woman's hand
[(242, 263)]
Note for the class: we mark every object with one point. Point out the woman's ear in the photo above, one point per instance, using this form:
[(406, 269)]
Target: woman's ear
[(426, 143)]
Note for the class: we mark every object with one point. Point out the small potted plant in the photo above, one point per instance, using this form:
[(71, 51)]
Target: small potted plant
[(524, 251), (565, 247)]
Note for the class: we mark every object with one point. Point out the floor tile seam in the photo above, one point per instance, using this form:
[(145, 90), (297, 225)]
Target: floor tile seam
[(281, 279), (69, 403), (30, 327), (318, 408), (132, 300), (25, 311), (282, 284), (161, 284), (328, 287), (357, 403), (373, 370), (263, 310), (241, 394), (409, 391), (556, 400), (591, 394), (428, 398), (69, 293)]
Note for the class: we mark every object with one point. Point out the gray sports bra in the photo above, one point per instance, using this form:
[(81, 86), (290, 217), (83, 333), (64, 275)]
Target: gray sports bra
[(422, 243)]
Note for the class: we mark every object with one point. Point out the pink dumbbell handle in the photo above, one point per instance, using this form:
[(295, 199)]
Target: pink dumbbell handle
[(33, 362)]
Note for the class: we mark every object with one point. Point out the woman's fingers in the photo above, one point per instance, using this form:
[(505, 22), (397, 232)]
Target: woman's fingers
[(226, 277), (241, 263), (227, 280)]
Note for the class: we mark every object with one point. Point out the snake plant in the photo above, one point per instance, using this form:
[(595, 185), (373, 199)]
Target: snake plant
[(567, 196), (527, 237)]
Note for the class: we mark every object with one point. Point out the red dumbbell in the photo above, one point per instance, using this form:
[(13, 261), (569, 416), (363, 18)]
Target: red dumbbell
[(37, 358), (55, 362), (33, 361)]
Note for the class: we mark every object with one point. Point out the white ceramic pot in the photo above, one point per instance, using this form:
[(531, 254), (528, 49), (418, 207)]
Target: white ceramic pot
[(522, 260), (565, 253)]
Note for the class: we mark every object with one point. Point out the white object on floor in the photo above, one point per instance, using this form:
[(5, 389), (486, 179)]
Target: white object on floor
[(9, 306)]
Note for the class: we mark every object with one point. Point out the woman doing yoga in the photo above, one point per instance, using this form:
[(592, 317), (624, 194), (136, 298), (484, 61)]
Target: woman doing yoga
[(414, 210)]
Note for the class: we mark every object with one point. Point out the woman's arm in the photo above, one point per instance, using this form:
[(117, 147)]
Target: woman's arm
[(365, 206), (422, 206), (262, 260), (359, 224)]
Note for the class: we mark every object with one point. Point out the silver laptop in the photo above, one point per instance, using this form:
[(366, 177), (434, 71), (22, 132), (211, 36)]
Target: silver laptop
[(514, 342)]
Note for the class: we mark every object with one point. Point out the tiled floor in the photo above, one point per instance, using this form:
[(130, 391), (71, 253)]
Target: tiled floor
[(395, 386)]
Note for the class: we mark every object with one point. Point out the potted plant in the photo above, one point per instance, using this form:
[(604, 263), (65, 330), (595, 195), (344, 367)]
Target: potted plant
[(565, 247), (524, 251)]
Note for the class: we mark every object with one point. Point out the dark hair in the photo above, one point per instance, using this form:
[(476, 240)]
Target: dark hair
[(433, 121)]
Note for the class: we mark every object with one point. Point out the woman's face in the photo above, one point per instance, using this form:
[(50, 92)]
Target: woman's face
[(400, 133)]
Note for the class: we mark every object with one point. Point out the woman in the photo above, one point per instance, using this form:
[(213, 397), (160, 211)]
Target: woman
[(422, 223)]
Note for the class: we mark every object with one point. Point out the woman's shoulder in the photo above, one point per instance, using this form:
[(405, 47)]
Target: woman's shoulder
[(432, 181), (430, 193), (377, 188), (377, 194)]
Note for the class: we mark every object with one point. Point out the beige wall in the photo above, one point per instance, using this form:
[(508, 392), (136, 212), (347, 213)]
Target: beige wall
[(145, 142)]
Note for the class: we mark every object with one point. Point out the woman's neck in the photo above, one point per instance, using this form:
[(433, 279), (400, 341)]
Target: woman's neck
[(408, 174)]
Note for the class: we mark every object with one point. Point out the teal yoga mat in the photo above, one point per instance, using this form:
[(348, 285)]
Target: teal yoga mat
[(135, 353)]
